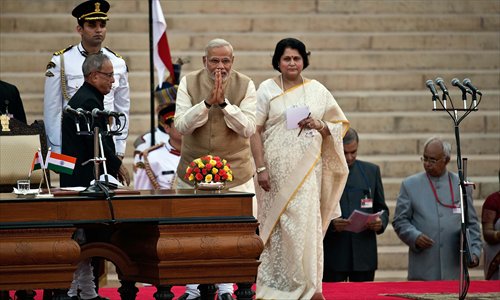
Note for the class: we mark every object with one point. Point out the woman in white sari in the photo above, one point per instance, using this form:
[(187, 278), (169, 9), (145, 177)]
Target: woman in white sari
[(301, 171)]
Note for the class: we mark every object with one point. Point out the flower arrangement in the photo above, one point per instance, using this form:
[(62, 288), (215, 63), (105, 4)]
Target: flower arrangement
[(209, 168)]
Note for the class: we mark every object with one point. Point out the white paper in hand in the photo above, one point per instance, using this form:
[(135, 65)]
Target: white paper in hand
[(294, 115)]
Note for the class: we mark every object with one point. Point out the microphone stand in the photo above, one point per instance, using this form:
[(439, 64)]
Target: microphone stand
[(98, 189), (464, 280)]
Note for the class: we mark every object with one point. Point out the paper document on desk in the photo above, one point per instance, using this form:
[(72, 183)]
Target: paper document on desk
[(359, 220)]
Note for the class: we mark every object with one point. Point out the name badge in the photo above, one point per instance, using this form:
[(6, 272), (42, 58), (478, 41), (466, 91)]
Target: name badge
[(457, 210), (366, 203)]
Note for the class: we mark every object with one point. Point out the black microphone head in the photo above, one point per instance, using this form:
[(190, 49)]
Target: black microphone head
[(95, 112), (468, 83), (455, 82), (439, 80), (82, 111), (69, 110)]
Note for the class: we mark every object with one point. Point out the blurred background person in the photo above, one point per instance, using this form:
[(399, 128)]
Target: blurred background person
[(490, 218), (10, 102)]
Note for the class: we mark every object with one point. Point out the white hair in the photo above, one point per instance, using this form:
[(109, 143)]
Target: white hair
[(216, 43), (446, 146)]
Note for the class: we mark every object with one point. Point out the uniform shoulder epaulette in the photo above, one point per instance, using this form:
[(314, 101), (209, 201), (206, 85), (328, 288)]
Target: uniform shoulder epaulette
[(116, 54), (139, 140), (63, 50), (152, 148)]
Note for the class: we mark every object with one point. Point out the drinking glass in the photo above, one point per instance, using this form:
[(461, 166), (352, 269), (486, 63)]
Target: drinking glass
[(23, 186)]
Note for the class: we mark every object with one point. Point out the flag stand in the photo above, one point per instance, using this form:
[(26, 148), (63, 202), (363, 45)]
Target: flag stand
[(44, 170), (48, 186)]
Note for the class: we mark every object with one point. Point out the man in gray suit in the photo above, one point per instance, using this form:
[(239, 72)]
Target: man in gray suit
[(428, 218)]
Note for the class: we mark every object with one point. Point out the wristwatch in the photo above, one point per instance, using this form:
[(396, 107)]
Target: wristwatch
[(261, 169), (223, 105), (206, 104)]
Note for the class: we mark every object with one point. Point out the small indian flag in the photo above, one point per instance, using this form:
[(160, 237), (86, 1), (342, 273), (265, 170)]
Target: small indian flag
[(37, 162), (60, 163)]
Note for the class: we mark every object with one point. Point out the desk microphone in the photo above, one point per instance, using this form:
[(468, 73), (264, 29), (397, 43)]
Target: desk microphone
[(106, 113), (69, 110)]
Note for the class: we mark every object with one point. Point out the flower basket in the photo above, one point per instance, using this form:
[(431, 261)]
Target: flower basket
[(209, 172)]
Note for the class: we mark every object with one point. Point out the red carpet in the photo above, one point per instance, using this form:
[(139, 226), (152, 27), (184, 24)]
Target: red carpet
[(351, 290)]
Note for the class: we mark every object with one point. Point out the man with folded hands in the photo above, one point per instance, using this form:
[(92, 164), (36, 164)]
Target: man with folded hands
[(215, 113)]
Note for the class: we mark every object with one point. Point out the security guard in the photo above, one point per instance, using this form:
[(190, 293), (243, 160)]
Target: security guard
[(157, 165), (64, 76)]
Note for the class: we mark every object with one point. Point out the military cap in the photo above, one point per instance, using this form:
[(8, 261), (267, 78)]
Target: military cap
[(166, 113), (167, 92), (91, 10)]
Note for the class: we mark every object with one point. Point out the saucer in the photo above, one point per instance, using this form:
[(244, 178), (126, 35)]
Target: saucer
[(28, 194), (210, 185)]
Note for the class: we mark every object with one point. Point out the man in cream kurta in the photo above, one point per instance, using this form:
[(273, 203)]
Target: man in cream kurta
[(215, 113)]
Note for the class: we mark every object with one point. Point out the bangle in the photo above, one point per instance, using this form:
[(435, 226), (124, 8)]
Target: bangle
[(206, 104), (261, 169), (322, 125)]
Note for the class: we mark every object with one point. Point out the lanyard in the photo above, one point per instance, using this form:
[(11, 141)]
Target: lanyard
[(368, 191), (436, 195), (366, 179)]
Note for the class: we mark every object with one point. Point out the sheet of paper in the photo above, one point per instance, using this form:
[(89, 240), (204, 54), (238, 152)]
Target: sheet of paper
[(294, 115), (74, 188), (359, 220)]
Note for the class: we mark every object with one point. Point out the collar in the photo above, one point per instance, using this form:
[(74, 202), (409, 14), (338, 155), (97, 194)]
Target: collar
[(171, 149), (436, 179), (82, 50)]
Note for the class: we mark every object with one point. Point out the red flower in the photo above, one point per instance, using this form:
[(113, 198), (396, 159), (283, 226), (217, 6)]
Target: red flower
[(199, 177), (212, 170)]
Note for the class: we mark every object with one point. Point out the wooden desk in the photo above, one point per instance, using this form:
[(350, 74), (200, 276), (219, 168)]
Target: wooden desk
[(169, 237)]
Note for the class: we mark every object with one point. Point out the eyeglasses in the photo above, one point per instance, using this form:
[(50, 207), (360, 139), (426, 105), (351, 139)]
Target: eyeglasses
[(214, 61), (109, 75), (431, 161)]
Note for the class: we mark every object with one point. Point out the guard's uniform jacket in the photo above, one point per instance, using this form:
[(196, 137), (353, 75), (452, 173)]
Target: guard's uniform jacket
[(64, 77), (157, 167)]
